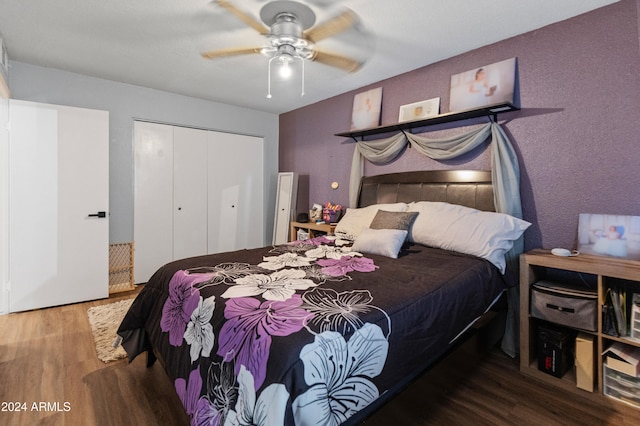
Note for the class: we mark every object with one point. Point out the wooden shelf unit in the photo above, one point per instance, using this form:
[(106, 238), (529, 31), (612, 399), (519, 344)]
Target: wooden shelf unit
[(314, 229), (533, 266)]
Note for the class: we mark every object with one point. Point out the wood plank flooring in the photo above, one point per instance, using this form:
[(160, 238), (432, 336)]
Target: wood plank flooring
[(48, 356)]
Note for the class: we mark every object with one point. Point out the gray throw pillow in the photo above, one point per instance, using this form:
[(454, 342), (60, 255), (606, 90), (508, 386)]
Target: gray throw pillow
[(393, 220)]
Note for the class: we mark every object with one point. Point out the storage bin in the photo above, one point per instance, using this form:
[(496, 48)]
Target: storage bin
[(635, 317), (557, 303), (555, 349), (621, 386), (302, 235)]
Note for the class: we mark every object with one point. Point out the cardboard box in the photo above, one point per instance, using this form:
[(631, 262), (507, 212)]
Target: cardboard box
[(585, 361), (623, 358)]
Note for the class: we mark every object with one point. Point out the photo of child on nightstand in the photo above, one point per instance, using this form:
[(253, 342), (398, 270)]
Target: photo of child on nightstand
[(609, 235)]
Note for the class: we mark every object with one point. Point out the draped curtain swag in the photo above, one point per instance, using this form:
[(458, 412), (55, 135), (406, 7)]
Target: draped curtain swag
[(505, 175)]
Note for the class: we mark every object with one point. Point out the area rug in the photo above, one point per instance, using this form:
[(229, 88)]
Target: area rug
[(104, 321)]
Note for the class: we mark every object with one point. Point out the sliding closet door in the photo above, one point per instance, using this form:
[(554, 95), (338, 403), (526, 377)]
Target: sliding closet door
[(153, 200), (189, 192), (235, 197), (196, 192)]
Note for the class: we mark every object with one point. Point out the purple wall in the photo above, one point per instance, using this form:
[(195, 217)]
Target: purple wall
[(577, 135)]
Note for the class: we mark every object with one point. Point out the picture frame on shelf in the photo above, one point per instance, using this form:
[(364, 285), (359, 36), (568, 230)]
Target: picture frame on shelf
[(609, 235), (419, 110), (486, 85), (367, 107)]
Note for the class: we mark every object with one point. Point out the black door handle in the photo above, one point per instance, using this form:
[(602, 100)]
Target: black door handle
[(99, 214)]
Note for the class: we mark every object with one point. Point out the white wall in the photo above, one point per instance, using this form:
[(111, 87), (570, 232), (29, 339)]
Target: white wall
[(126, 102)]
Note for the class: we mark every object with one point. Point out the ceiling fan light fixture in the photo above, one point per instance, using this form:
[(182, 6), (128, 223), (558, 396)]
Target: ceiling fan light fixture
[(285, 69), (291, 36), (285, 55)]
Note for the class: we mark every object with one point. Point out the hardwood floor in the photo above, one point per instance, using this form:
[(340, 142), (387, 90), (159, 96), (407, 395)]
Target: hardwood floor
[(488, 389), (48, 356)]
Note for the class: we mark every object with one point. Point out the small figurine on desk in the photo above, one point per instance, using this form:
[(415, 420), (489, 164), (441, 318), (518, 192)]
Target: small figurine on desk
[(315, 214)]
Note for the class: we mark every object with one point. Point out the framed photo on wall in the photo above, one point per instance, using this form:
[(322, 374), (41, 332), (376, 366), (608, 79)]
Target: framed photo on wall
[(366, 109), (485, 85), (609, 235), (419, 110)]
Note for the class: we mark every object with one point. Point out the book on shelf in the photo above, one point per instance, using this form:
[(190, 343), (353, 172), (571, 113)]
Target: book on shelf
[(619, 308), (619, 297)]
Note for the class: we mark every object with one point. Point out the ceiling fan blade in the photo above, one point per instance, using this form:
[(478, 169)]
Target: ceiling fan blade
[(336, 25), (234, 51), (243, 16), (335, 60)]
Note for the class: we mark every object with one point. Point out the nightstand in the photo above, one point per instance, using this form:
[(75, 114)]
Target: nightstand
[(314, 229)]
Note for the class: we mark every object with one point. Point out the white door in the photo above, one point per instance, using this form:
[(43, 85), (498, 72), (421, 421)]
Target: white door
[(153, 199), (189, 192), (58, 197), (236, 195)]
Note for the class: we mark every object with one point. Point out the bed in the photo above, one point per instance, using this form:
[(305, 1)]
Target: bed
[(320, 331)]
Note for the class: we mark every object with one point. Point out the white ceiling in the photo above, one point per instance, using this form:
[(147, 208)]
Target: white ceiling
[(157, 43)]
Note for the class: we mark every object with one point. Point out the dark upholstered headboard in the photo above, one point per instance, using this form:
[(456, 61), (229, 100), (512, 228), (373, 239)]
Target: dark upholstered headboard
[(471, 188)]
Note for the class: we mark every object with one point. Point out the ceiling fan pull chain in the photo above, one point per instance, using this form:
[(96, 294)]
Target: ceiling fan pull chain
[(302, 93), (269, 78)]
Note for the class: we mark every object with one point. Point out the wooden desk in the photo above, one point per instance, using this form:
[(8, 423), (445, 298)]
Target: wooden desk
[(314, 229)]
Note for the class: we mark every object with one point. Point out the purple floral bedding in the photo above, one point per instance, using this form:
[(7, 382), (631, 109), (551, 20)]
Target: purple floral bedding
[(307, 333)]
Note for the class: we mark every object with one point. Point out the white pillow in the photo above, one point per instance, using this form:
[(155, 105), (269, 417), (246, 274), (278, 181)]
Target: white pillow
[(385, 242), (452, 227), (355, 220)]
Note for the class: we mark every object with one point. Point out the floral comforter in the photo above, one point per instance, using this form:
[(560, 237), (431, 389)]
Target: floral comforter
[(307, 333)]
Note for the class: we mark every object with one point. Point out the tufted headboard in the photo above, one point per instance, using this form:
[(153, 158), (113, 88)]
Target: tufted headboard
[(471, 188)]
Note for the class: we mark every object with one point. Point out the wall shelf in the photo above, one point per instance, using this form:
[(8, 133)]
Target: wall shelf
[(490, 110)]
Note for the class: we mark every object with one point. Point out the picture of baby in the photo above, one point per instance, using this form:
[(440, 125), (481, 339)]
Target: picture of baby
[(609, 235), (487, 85), (611, 242), (366, 109)]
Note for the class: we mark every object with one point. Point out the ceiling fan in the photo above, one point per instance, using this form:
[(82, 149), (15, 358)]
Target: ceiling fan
[(291, 36)]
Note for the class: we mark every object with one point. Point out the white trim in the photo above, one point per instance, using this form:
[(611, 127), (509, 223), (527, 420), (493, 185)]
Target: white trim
[(4, 196)]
